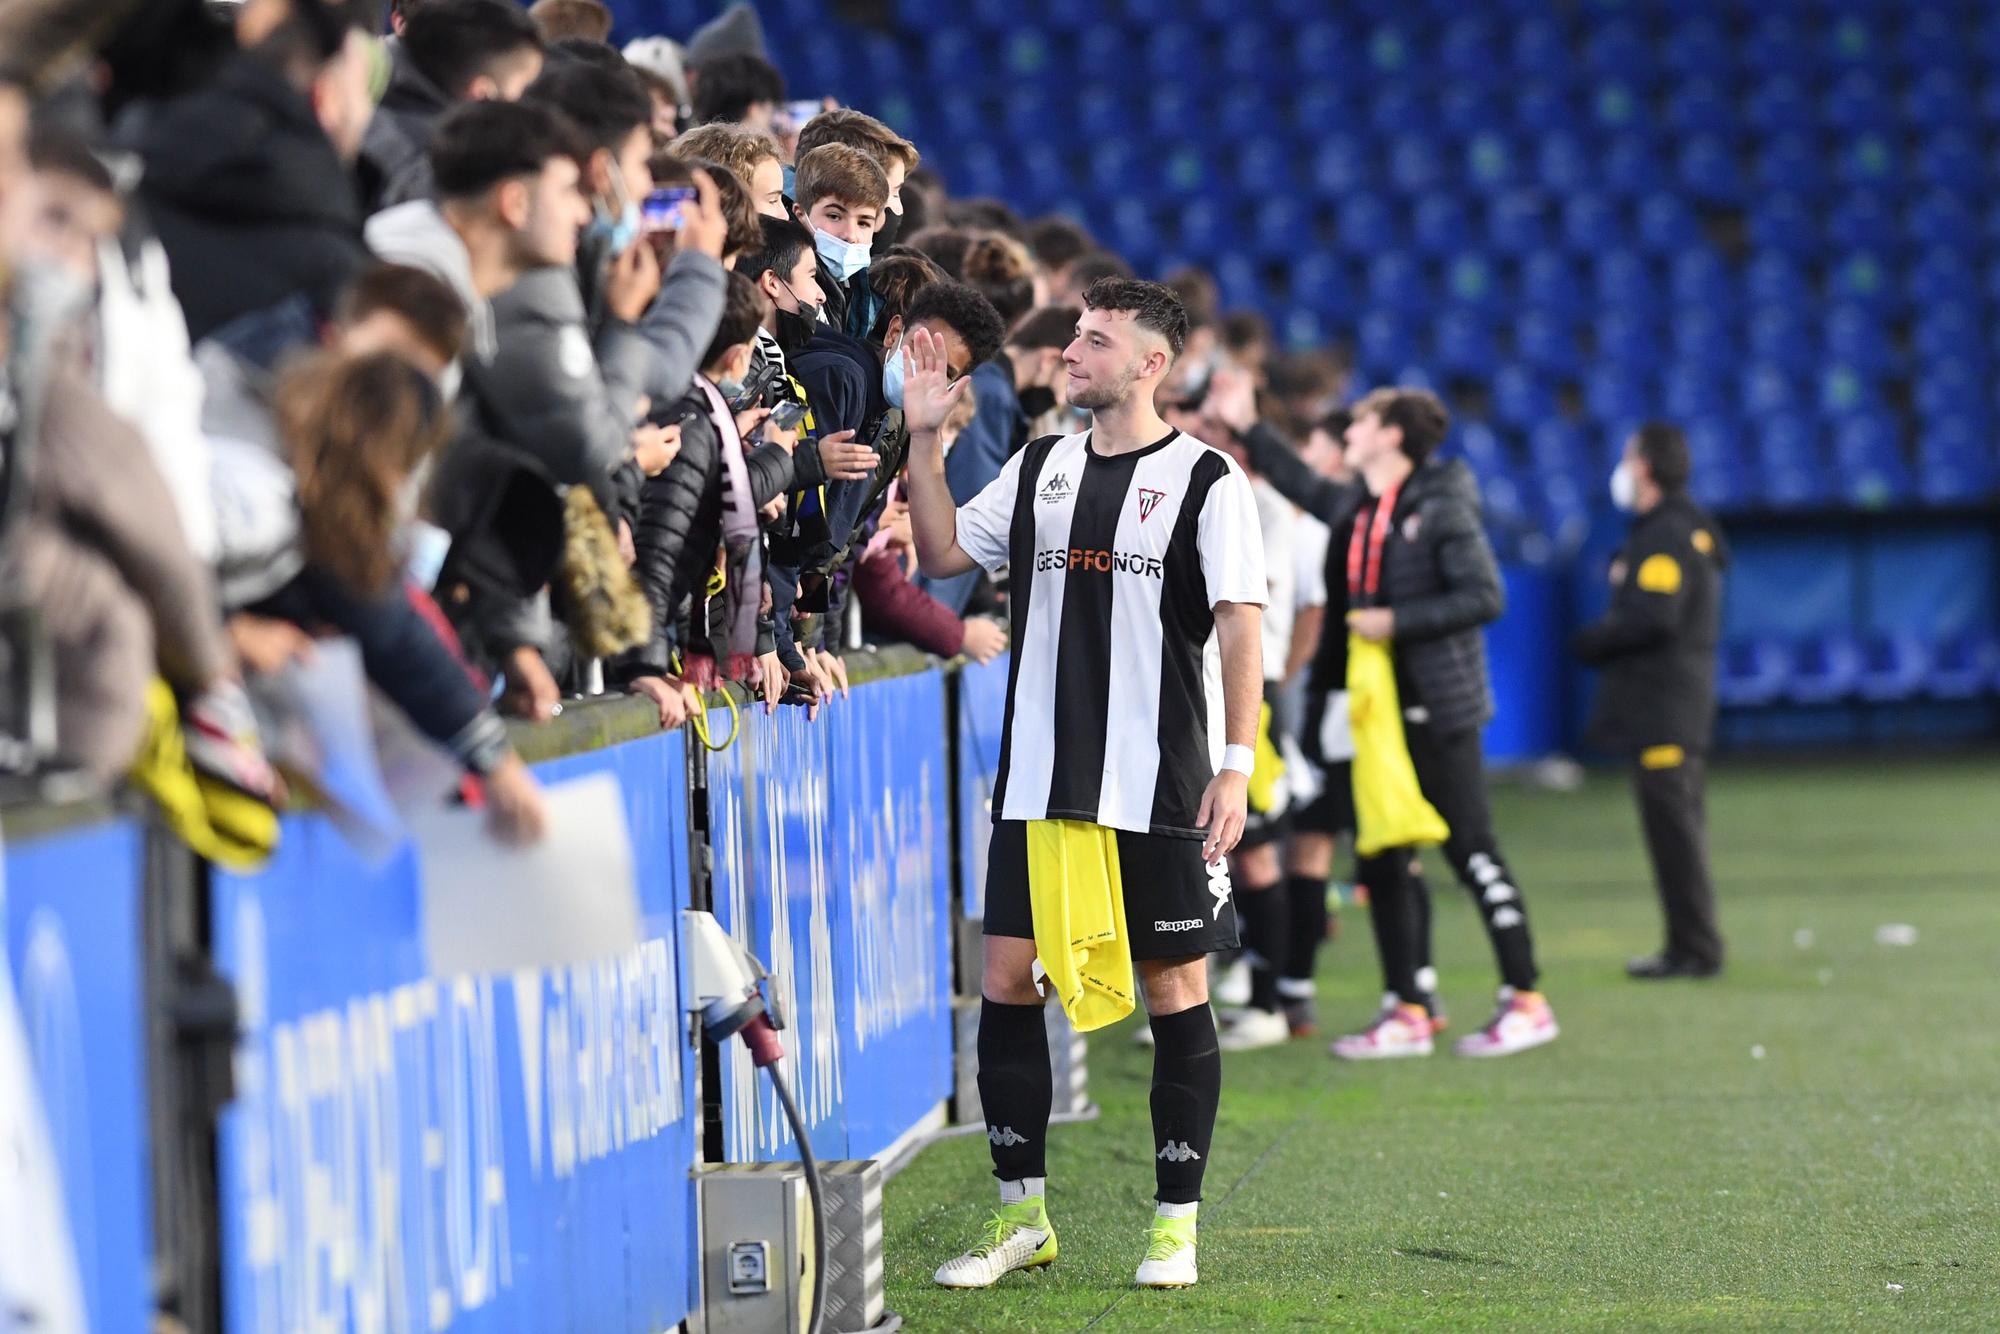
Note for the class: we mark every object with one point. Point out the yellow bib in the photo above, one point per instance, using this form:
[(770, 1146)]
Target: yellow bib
[(1390, 810), (1078, 900)]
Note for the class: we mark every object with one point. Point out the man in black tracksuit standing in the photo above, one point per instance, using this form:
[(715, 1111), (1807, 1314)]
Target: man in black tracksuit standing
[(1656, 647), (1408, 547)]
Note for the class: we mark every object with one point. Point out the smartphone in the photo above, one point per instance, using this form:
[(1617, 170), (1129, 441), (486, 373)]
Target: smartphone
[(786, 415), (663, 209)]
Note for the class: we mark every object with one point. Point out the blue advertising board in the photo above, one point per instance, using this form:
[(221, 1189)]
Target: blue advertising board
[(981, 722), (408, 1152), (832, 850), (72, 945)]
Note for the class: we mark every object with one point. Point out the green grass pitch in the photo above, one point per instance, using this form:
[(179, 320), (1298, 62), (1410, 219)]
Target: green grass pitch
[(1811, 1143)]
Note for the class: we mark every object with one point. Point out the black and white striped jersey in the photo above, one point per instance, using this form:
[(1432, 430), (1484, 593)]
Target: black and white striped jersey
[(1114, 695)]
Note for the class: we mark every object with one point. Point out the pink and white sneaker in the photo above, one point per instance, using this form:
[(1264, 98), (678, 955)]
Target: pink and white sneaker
[(1524, 1020), (1400, 1030)]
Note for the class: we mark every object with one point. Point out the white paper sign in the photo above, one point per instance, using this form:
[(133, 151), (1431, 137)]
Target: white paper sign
[(490, 908)]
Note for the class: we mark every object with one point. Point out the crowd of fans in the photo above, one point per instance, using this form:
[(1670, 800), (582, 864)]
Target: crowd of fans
[(535, 367)]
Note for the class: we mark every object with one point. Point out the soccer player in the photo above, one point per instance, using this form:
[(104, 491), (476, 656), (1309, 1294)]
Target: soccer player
[(1137, 582)]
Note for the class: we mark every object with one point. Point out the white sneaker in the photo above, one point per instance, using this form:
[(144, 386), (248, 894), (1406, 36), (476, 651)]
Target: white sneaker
[(1400, 1030), (1018, 1236), (1169, 1261), (1253, 1029), (1231, 988), (1523, 1021)]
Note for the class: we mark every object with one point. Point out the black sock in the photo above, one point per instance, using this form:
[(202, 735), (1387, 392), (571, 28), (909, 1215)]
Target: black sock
[(1187, 1085), (1261, 913), (1305, 907), (1399, 916), (1016, 1087)]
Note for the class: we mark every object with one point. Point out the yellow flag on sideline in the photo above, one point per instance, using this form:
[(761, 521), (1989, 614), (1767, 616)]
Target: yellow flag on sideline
[(1390, 810), (1078, 900)]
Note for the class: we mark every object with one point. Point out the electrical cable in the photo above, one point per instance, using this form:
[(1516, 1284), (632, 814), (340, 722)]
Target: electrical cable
[(818, 1201)]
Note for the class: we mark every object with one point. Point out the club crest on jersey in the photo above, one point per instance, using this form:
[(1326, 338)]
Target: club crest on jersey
[(1412, 526), (1148, 502), (1057, 489)]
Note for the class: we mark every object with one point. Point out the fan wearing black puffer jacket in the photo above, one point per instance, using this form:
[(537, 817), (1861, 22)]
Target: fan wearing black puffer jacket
[(1422, 576)]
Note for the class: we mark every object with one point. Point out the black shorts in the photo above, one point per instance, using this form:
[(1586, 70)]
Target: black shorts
[(1331, 812), (1176, 905)]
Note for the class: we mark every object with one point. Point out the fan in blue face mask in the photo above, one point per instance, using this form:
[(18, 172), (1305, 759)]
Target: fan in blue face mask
[(617, 230), (893, 371), (845, 258)]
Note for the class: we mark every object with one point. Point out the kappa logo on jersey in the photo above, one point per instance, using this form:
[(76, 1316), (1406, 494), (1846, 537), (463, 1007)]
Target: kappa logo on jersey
[(1182, 1152), (1218, 885), (1005, 1136), (1148, 502), (1057, 489), (1100, 562), (1179, 924)]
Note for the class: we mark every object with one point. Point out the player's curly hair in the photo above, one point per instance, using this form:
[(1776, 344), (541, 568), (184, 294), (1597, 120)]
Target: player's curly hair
[(1153, 306)]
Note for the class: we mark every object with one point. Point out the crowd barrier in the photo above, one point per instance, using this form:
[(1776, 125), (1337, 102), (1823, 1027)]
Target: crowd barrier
[(407, 1152)]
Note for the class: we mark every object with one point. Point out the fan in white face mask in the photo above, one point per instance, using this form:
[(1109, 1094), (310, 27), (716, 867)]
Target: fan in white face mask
[(1624, 486)]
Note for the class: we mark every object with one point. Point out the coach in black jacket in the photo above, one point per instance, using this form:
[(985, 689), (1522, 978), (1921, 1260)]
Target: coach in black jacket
[(1422, 576), (1656, 647)]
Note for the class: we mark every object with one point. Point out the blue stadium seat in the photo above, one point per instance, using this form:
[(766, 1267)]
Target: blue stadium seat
[(1552, 281), (1559, 446), (1707, 339), (1540, 48), (954, 55), (1482, 447), (1517, 222), (1950, 321), (1625, 281), (1463, 344), (1873, 473), (1781, 102), (1631, 166), (1931, 39), (1863, 278), (1465, 109), (1206, 227), (1466, 49), (1770, 388), (1793, 161), (1118, 166), (1392, 50), (1940, 99), (1316, 107), (1317, 47), (1543, 107), (1966, 667), (1947, 385), (1492, 161), (1955, 477), (1342, 165), (1248, 51), (1786, 220), (1871, 160), (1267, 166), (1522, 399), (1366, 224), (1845, 390), (1696, 391), (1471, 280), (1944, 219), (1617, 107), (1856, 102), (1401, 110), (1893, 668), (1752, 673), (1864, 220), (1776, 42), (1619, 394), (1320, 283), (1386, 338), (1100, 46), (1702, 278), (1415, 164), (1697, 44), (1565, 162), (1593, 223), (1856, 337), (1628, 336), (1440, 225), (1825, 670), (1710, 169), (1951, 160), (1850, 42), (1396, 278), (1774, 278), (1545, 341), (1667, 225), (1783, 336), (1702, 104), (1618, 48), (1283, 227)]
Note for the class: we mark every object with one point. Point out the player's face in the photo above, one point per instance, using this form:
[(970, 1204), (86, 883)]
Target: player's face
[(1104, 360)]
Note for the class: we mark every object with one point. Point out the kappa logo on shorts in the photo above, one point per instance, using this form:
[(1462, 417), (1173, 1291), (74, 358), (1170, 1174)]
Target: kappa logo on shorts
[(1005, 1137), (1182, 1152), (1180, 924), (1057, 488), (1219, 886), (1149, 500)]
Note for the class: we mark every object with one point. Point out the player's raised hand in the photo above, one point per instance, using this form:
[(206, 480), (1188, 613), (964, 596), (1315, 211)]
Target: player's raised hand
[(928, 389)]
